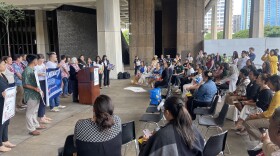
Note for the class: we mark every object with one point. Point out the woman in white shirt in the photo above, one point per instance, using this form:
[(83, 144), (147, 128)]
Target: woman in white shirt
[(232, 78), (189, 57), (235, 58), (98, 62), (41, 71)]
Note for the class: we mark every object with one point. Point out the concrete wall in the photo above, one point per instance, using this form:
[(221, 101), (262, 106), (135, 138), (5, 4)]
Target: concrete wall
[(77, 34), (228, 46)]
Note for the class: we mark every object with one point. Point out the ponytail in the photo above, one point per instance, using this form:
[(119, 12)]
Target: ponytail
[(182, 120)]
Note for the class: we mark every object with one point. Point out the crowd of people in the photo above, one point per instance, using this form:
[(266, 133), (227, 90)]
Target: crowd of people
[(19, 72)]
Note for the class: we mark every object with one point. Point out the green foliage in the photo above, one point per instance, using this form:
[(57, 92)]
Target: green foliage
[(10, 13), (272, 31), (241, 34), (207, 36), (126, 35)]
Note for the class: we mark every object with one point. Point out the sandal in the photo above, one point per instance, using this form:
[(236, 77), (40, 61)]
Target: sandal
[(41, 127)]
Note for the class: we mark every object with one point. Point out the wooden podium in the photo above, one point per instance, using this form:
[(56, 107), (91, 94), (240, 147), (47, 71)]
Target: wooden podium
[(88, 85)]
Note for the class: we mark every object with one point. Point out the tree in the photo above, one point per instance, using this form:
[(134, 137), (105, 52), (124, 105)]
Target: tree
[(208, 36), (126, 35), (272, 31), (9, 13), (241, 34)]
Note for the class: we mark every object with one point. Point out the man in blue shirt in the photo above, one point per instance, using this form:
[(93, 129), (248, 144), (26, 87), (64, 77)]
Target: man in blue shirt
[(252, 55)]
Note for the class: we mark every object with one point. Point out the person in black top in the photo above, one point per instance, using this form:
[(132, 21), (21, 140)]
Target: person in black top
[(106, 71), (257, 105), (99, 135), (252, 89), (5, 145), (82, 62), (74, 68), (164, 77), (178, 73), (137, 64)]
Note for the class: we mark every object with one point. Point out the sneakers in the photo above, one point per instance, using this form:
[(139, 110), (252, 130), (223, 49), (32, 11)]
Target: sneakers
[(55, 109), (61, 106)]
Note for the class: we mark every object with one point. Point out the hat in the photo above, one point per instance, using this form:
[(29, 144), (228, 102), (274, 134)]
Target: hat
[(30, 58)]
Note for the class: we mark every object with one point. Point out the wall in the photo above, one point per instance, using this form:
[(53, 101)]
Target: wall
[(77, 33), (228, 46)]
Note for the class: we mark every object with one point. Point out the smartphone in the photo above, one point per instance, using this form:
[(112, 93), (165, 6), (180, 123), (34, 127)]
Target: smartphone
[(262, 130), (147, 132)]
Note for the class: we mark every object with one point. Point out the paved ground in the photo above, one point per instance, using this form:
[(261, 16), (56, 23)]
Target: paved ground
[(128, 105)]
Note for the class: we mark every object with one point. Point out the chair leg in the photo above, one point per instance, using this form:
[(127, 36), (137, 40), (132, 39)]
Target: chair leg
[(136, 147), (219, 128)]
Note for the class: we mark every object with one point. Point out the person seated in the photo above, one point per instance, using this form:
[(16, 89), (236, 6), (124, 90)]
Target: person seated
[(271, 141), (272, 57), (210, 62), (101, 134), (266, 68), (142, 70), (144, 76), (230, 81), (189, 72), (251, 90), (195, 82), (217, 74), (155, 76), (203, 96), (257, 105), (183, 139), (260, 120), (178, 73), (240, 89), (250, 65), (163, 82)]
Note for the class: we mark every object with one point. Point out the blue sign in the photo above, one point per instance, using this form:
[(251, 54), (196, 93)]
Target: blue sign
[(53, 83)]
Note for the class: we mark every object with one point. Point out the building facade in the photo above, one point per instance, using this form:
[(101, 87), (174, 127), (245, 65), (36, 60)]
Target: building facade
[(272, 12), (245, 17), (236, 23), (220, 17)]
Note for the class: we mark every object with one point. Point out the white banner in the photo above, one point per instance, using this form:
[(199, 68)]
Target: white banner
[(96, 77), (9, 104)]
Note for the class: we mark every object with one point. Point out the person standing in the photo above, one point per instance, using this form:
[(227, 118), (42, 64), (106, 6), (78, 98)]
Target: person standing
[(52, 64), (252, 55), (98, 62), (242, 61), (106, 71), (64, 74), (19, 67), (5, 145), (137, 64), (74, 68), (31, 96), (82, 62), (40, 68), (89, 62), (9, 72), (272, 57)]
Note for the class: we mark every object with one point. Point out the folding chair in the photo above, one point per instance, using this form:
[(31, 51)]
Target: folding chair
[(208, 111), (215, 144), (152, 118), (129, 135)]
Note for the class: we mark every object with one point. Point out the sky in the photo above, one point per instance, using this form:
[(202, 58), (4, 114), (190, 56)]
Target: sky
[(237, 7)]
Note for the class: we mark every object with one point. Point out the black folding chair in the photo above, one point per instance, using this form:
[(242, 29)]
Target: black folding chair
[(152, 118), (218, 122), (68, 148), (208, 111), (215, 144), (129, 135)]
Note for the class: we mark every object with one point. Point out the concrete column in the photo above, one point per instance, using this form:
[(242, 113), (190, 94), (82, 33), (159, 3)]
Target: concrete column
[(190, 26), (257, 19), (142, 29), (109, 33), (42, 37), (228, 20), (214, 23)]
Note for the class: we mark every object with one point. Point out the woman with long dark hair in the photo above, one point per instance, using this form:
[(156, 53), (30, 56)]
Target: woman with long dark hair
[(98, 62), (106, 71), (101, 134), (5, 145), (182, 134), (235, 58)]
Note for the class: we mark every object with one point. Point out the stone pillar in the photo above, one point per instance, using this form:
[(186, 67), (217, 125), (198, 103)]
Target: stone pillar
[(42, 37), (142, 29), (190, 26), (228, 20), (257, 19), (109, 33), (214, 23)]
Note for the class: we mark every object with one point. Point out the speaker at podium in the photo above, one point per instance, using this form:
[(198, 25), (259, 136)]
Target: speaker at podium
[(88, 85)]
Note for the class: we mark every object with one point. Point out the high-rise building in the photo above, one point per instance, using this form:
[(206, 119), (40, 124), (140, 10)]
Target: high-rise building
[(220, 16), (272, 12), (236, 23), (245, 17)]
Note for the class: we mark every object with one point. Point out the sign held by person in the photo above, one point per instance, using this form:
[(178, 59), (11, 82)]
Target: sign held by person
[(53, 83), (9, 104)]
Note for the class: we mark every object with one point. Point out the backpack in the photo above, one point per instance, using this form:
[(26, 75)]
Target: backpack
[(155, 96), (126, 75), (120, 75)]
